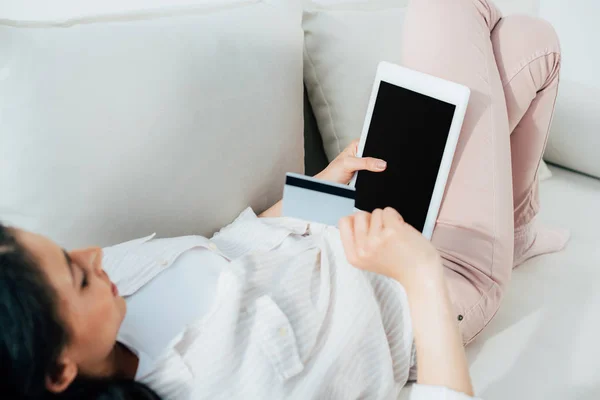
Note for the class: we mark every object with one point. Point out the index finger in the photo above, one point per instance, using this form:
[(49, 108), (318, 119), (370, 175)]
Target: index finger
[(391, 217)]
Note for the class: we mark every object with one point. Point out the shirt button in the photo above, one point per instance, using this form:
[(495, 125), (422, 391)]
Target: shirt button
[(164, 263), (212, 246), (282, 332), (460, 317)]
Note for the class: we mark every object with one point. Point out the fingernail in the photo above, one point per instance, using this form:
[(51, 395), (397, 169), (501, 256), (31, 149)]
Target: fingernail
[(381, 164)]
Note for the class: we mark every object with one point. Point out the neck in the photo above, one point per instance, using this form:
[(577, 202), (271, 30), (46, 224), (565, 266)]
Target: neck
[(120, 363), (124, 361)]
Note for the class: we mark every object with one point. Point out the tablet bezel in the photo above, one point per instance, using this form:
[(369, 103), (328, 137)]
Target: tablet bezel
[(434, 87)]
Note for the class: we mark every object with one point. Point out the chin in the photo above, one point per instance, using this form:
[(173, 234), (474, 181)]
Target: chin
[(121, 307)]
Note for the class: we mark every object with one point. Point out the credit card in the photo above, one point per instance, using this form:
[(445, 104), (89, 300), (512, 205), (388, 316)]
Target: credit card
[(316, 200)]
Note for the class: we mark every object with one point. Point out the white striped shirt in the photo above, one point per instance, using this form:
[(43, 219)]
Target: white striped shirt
[(294, 321)]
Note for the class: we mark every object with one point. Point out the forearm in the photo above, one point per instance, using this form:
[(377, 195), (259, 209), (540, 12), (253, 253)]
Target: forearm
[(274, 211), (440, 353)]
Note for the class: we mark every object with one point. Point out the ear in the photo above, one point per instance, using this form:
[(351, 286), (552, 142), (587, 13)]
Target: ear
[(65, 375)]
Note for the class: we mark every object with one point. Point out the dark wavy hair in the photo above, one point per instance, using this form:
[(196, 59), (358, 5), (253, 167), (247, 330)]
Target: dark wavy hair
[(32, 335)]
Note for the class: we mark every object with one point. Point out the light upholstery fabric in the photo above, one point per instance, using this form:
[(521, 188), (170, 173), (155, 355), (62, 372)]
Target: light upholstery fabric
[(67, 10), (575, 137), (116, 124), (343, 45)]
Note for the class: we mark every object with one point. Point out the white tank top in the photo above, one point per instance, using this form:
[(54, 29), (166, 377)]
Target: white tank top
[(162, 309)]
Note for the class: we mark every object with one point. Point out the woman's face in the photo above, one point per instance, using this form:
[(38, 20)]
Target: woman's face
[(89, 303)]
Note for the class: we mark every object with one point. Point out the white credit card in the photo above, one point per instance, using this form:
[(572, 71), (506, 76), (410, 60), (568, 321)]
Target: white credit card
[(316, 200)]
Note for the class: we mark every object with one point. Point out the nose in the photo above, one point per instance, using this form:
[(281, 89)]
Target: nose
[(95, 261), (89, 258)]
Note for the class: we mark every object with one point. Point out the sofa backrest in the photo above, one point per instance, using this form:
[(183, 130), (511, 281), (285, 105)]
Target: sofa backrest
[(119, 119), (575, 137)]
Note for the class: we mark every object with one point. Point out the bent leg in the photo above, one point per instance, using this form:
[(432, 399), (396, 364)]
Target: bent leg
[(474, 231), (527, 52)]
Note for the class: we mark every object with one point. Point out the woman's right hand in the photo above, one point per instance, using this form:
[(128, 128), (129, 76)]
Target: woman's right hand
[(383, 243)]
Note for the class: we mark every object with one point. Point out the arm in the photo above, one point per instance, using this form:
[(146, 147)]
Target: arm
[(273, 211), (441, 356), (341, 170), (383, 243)]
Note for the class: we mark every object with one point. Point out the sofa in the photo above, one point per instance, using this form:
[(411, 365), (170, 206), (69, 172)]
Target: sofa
[(120, 119)]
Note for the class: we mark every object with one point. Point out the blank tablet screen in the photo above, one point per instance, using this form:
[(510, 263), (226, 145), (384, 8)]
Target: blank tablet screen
[(408, 130)]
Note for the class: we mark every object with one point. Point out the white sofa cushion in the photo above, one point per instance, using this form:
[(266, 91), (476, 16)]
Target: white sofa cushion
[(343, 45), (575, 137), (115, 123)]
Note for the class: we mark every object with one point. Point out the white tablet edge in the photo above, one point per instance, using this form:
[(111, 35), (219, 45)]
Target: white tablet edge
[(431, 86)]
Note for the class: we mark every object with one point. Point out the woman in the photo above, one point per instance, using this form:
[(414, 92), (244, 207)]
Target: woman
[(277, 311)]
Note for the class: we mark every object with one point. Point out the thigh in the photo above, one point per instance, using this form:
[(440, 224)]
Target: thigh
[(474, 234)]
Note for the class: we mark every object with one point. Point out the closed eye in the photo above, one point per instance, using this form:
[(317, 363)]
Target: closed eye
[(84, 278)]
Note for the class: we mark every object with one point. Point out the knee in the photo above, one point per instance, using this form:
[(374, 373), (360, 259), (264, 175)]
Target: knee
[(534, 34), (459, 11), (521, 40)]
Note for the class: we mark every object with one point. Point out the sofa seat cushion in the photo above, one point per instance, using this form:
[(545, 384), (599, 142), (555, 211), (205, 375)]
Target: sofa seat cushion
[(543, 343)]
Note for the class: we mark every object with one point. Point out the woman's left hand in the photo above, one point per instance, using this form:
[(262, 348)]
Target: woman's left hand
[(342, 169)]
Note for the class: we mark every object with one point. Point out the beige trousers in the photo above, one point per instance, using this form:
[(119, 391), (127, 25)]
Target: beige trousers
[(512, 67)]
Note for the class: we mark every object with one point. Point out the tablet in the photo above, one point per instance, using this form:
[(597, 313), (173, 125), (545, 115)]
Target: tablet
[(413, 122)]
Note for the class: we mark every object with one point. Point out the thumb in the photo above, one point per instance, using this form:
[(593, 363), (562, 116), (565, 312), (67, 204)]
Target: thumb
[(368, 163)]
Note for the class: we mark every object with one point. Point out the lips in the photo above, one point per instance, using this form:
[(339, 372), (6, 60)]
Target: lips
[(114, 289)]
